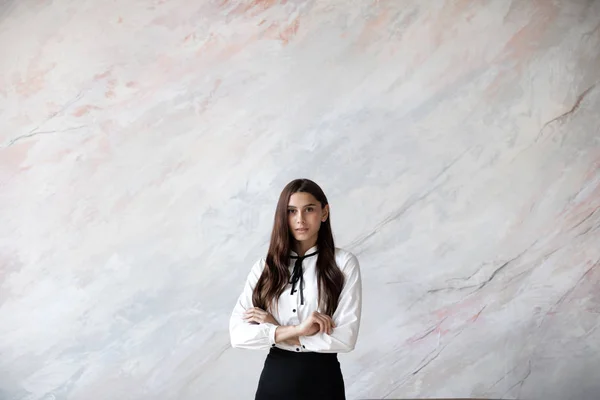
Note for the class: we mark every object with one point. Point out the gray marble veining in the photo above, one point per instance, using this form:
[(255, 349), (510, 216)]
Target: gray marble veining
[(143, 146)]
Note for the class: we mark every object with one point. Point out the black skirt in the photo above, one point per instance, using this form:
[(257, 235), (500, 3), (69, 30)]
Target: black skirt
[(300, 376)]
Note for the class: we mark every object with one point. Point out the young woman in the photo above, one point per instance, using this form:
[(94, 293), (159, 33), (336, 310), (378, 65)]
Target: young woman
[(303, 301)]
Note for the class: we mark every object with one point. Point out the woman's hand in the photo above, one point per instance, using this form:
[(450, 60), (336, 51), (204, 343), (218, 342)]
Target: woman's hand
[(259, 316), (316, 322)]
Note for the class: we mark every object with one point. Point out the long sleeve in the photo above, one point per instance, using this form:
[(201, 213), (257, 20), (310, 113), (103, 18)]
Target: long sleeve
[(346, 317), (243, 334)]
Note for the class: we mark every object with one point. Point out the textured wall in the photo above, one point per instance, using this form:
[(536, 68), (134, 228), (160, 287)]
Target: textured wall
[(143, 145)]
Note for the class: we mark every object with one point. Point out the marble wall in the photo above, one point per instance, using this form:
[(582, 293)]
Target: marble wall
[(143, 145)]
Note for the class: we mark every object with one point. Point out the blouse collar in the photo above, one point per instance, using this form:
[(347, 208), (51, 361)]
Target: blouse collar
[(309, 251)]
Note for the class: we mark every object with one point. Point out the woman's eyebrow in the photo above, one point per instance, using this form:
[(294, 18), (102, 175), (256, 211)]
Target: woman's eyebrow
[(306, 205)]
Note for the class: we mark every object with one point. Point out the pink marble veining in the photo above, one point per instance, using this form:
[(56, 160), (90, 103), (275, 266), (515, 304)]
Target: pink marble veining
[(143, 146)]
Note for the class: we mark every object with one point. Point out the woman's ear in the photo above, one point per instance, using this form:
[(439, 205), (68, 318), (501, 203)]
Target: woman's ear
[(325, 213)]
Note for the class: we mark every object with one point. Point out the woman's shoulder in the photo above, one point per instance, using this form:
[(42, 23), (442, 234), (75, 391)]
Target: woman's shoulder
[(258, 266), (345, 259), (343, 253)]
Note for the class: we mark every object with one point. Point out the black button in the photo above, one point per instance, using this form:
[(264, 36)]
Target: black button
[(297, 349), (294, 310), (302, 346), (273, 345)]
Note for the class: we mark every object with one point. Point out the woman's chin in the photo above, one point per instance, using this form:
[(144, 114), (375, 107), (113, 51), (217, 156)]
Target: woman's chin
[(303, 237)]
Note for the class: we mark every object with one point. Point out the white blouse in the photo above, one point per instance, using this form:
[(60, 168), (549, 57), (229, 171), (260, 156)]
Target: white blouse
[(290, 311)]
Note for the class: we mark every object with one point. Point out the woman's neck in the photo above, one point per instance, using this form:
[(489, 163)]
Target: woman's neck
[(302, 247)]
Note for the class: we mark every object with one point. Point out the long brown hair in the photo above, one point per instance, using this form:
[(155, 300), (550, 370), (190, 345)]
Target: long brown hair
[(276, 274)]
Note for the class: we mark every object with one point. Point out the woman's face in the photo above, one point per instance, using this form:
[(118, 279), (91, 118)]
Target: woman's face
[(305, 215)]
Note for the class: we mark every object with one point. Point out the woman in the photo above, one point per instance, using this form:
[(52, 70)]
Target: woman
[(303, 301)]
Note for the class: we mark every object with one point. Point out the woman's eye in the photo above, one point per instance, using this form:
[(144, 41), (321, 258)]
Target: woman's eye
[(310, 209), (291, 211)]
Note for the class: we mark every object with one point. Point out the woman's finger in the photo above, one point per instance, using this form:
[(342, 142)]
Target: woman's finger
[(326, 322), (330, 320), (255, 319), (331, 324), (328, 325), (250, 314), (255, 315), (314, 319), (322, 323)]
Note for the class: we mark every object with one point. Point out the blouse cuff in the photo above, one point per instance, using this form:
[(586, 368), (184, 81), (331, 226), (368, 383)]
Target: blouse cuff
[(272, 329)]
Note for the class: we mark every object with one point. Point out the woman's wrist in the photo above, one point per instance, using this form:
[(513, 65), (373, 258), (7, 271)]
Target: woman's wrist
[(294, 341), (285, 333)]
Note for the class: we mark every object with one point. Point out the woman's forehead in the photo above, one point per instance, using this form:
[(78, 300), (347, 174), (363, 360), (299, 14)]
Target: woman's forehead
[(302, 199)]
